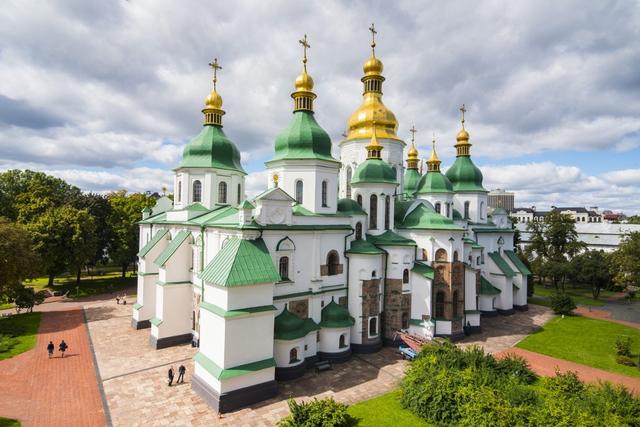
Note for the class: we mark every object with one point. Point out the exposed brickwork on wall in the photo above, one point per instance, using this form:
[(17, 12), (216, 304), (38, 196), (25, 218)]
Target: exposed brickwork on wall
[(342, 301), (449, 277), (396, 307), (370, 305), (300, 308)]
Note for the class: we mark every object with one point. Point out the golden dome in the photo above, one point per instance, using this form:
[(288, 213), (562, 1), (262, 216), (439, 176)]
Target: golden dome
[(463, 136), (360, 124), (413, 152), (213, 100), (304, 82), (373, 66), (434, 156)]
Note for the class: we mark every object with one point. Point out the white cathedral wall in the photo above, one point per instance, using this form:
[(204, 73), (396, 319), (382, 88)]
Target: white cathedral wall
[(381, 191), (247, 380), (490, 241), (432, 240), (399, 258), (443, 199), (248, 339), (485, 303), (173, 306), (504, 300), (146, 297), (282, 348), (477, 205), (470, 293), (212, 336), (330, 339), (360, 268), (420, 296), (311, 341), (239, 296)]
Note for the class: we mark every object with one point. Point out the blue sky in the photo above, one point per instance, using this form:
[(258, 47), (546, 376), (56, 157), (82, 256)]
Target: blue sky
[(106, 94)]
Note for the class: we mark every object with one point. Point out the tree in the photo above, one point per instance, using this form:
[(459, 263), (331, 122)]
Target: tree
[(27, 298), (18, 261), (591, 268), (626, 261), (123, 220), (635, 219), (554, 242), (64, 238), (100, 209)]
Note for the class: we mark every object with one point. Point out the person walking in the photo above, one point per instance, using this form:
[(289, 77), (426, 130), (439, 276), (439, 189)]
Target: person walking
[(181, 371), (170, 375), (50, 349), (118, 299), (63, 347)]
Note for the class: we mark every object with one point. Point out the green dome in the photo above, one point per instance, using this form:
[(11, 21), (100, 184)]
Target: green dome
[(288, 326), (211, 149), (374, 170), (350, 207), (422, 216), (464, 175), (434, 182), (335, 316), (411, 179), (303, 139)]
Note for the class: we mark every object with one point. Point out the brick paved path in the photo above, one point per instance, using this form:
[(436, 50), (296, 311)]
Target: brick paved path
[(57, 392), (546, 366), (603, 315)]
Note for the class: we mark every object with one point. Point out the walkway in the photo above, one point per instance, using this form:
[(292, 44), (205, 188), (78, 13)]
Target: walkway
[(546, 366), (603, 315), (57, 392)]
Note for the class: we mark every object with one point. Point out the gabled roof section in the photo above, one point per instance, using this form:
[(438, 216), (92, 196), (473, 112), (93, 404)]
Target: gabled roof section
[(518, 263), (502, 264), (350, 207), (423, 217), (275, 193), (423, 269), (156, 219), (486, 288), (473, 243), (193, 207), (389, 238), (364, 247), (246, 205), (168, 252), (154, 241), (241, 262), (226, 215)]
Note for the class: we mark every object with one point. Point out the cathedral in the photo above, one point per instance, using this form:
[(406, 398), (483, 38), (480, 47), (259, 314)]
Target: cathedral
[(334, 257)]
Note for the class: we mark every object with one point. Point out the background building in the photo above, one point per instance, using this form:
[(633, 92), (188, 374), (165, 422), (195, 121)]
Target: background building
[(500, 198)]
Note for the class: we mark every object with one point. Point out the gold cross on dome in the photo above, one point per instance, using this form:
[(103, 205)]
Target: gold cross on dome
[(463, 110), (305, 46), (372, 28), (215, 67), (413, 131)]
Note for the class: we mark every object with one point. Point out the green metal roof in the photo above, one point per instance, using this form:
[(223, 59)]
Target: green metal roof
[(335, 316), (212, 149), (374, 171), (424, 217), (515, 259), (473, 243), (303, 139), (193, 207), (502, 264), (350, 207), (423, 269), (288, 326), (434, 182), (486, 288), (155, 219), (168, 252), (246, 205), (151, 243), (457, 216), (221, 374), (363, 247), (411, 180), (389, 238), (300, 210), (241, 262), (493, 230), (465, 176)]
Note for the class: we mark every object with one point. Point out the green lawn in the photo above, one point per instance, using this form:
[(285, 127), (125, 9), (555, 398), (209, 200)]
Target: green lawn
[(579, 295), (583, 340), (89, 285), (7, 422), (25, 327), (385, 411)]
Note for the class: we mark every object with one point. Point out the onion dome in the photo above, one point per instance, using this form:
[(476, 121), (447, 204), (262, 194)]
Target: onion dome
[(303, 138), (434, 181), (288, 326), (411, 175), (421, 215), (350, 207), (360, 124), (212, 148), (463, 174), (335, 316), (374, 169)]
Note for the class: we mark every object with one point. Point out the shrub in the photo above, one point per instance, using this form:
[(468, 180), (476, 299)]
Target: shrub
[(7, 343), (562, 303), (625, 360), (317, 413), (516, 366), (623, 346)]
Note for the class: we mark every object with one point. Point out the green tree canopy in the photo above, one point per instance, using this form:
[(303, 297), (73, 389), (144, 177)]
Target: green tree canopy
[(18, 261), (626, 261), (591, 268)]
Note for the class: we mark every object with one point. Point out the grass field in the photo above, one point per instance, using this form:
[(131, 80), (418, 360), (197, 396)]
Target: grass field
[(89, 285), (579, 295), (6, 422), (583, 340), (25, 326), (385, 411)]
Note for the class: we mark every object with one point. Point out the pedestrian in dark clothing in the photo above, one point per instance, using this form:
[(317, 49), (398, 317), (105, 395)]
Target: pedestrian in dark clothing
[(118, 299), (170, 375), (181, 371), (50, 349), (63, 347)]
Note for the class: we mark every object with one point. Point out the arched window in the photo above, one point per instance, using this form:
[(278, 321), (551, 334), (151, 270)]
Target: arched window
[(405, 276), (373, 212), (324, 194), (405, 320), (222, 192), (373, 274), (395, 171), (239, 193), (455, 304), (284, 268), (299, 189), (343, 341), (333, 261), (179, 195), (197, 191), (448, 207), (358, 231), (348, 182), (438, 207), (387, 209), (373, 326), (293, 355), (440, 304), (482, 210), (359, 199), (466, 210), (441, 255), (455, 255)]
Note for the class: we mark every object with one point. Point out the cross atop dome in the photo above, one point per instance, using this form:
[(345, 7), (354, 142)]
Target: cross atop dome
[(372, 28), (305, 46), (215, 67)]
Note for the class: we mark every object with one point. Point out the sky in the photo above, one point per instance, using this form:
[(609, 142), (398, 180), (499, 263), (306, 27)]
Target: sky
[(106, 94)]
